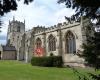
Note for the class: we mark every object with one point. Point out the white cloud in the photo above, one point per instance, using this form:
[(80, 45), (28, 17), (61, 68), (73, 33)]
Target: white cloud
[(3, 42), (39, 12)]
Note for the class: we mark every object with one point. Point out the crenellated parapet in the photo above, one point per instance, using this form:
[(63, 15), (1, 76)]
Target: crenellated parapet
[(16, 22), (10, 22), (42, 29), (39, 29)]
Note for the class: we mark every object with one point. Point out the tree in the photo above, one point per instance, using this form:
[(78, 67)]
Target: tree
[(8, 5), (89, 8), (91, 51), (91, 54)]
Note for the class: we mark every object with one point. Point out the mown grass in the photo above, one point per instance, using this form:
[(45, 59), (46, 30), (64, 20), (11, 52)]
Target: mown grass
[(15, 70)]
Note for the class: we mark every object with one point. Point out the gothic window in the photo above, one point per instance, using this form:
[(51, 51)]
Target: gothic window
[(18, 29), (51, 43), (38, 43), (70, 45)]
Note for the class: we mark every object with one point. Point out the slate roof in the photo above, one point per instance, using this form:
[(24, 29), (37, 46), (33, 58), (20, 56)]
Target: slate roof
[(9, 48)]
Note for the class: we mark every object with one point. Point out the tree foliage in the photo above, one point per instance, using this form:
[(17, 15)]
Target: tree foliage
[(8, 5), (90, 8), (91, 51)]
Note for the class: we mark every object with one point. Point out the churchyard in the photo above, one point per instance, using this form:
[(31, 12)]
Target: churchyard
[(15, 70)]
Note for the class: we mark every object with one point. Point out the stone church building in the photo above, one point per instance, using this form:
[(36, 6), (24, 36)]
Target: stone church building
[(64, 39)]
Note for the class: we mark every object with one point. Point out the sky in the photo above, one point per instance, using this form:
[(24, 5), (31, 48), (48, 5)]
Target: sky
[(40, 12)]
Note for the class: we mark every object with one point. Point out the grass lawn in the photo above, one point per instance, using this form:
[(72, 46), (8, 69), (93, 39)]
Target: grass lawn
[(14, 70)]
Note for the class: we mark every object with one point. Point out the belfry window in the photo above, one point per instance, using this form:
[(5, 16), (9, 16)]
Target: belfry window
[(70, 45), (38, 43), (18, 29), (51, 43)]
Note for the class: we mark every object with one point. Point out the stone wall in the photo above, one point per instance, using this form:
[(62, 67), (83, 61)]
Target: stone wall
[(8, 55)]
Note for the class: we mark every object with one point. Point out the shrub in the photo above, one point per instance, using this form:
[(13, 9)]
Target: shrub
[(51, 54), (51, 61), (57, 61)]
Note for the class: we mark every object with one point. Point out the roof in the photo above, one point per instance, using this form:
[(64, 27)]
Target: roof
[(9, 48)]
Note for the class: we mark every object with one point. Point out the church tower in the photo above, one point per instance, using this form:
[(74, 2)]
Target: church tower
[(15, 31)]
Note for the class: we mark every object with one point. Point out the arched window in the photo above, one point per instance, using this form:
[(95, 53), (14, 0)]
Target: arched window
[(18, 29), (38, 43), (70, 45), (51, 43)]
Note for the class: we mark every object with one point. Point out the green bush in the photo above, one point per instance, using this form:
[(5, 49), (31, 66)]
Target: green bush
[(51, 61)]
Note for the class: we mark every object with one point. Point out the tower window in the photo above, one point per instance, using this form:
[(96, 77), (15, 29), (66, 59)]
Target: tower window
[(18, 29)]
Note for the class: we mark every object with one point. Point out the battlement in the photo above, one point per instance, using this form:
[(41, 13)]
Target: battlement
[(41, 29), (17, 22)]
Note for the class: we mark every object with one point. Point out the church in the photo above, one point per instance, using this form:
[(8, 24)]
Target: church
[(64, 39)]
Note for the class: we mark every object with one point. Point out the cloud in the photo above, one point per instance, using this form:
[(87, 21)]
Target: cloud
[(39, 12), (3, 42), (2, 37)]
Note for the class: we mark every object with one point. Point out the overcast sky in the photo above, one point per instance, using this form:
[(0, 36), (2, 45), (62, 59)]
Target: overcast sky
[(39, 12)]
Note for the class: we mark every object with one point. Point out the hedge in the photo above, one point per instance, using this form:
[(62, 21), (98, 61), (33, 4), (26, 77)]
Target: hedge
[(51, 61)]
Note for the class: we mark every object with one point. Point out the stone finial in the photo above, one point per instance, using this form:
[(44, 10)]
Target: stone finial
[(24, 21), (59, 24), (9, 22), (13, 18), (55, 26), (64, 23)]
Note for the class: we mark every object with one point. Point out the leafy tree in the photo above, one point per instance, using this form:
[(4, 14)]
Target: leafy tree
[(90, 8), (91, 51), (8, 5)]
